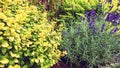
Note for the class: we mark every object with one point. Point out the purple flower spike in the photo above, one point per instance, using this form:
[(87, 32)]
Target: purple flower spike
[(88, 16), (91, 24), (114, 30), (116, 17), (103, 27), (92, 12), (108, 17)]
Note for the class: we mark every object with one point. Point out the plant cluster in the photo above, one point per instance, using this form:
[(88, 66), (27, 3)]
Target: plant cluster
[(93, 40), (27, 38), (77, 8), (90, 42), (51, 5)]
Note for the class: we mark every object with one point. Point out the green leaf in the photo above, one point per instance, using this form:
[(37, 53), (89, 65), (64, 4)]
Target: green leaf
[(5, 44), (25, 66), (4, 50)]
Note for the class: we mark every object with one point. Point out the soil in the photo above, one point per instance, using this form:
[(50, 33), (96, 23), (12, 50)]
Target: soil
[(63, 64)]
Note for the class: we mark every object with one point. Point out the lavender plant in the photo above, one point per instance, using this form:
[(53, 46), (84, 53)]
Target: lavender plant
[(90, 41)]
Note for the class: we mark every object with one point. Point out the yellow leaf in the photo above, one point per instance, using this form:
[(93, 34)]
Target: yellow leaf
[(1, 33), (1, 38), (14, 55), (17, 66), (4, 61), (10, 66), (36, 60), (5, 44), (16, 60), (1, 65), (11, 38), (41, 60), (114, 8), (1, 25), (3, 16)]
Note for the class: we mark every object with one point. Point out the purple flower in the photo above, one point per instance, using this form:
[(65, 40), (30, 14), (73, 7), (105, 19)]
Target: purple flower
[(115, 16), (64, 33), (111, 7), (92, 12), (114, 23), (108, 17), (103, 27), (91, 25), (110, 1), (88, 16), (114, 30), (112, 17)]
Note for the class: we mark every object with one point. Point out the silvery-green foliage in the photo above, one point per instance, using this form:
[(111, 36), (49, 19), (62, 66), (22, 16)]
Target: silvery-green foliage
[(90, 44)]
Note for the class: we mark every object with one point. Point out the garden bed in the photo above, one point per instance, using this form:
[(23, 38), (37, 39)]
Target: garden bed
[(60, 33)]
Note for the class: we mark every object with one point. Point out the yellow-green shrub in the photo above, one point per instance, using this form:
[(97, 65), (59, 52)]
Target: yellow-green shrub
[(114, 4), (79, 6), (27, 38)]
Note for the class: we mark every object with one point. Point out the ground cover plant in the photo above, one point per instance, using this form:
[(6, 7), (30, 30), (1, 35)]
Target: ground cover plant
[(27, 38)]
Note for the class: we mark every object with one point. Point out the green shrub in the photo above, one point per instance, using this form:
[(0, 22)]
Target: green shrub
[(37, 3), (27, 38), (78, 6), (92, 42), (73, 9)]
